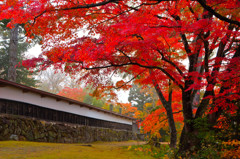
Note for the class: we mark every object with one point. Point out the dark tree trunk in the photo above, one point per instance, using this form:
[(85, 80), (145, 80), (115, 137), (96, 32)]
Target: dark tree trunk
[(188, 137), (172, 127), (188, 141), (168, 107), (13, 45)]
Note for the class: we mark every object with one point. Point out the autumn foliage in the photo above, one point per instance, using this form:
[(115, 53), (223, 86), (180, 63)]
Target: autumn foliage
[(191, 45), (158, 119), (73, 93), (127, 109)]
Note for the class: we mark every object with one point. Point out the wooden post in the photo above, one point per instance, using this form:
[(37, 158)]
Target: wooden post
[(111, 107)]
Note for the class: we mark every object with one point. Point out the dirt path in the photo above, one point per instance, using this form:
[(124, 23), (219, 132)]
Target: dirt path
[(120, 144), (98, 150)]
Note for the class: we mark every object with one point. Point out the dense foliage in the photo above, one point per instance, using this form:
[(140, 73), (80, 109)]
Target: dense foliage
[(189, 45)]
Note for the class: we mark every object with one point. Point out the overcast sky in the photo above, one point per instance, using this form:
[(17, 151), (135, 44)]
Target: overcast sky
[(34, 51)]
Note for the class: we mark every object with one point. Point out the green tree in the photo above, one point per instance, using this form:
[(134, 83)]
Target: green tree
[(23, 76), (94, 101), (139, 96)]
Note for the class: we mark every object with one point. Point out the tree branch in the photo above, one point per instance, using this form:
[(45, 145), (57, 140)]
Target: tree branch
[(125, 55), (220, 53), (77, 7), (170, 62), (168, 117), (129, 80), (136, 64), (160, 94), (90, 5), (219, 16)]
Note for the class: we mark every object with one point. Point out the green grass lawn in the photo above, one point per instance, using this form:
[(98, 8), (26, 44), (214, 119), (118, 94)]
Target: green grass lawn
[(98, 150)]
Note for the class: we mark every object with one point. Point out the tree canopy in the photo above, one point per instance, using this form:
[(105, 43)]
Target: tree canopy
[(192, 45)]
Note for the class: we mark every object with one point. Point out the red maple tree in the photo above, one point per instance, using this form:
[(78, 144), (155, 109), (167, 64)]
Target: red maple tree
[(151, 40), (158, 119)]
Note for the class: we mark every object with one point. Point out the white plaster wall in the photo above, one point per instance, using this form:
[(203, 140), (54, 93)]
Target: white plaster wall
[(16, 94)]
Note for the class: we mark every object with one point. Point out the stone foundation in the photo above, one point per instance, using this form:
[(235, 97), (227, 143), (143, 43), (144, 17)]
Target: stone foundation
[(29, 129)]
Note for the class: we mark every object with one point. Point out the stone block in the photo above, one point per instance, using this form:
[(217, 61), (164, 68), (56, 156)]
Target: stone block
[(14, 137)]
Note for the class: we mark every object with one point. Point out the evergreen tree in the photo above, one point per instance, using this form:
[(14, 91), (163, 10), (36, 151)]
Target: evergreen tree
[(139, 97), (94, 101), (23, 76)]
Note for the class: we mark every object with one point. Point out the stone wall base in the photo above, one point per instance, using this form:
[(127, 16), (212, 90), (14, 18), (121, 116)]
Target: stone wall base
[(29, 129)]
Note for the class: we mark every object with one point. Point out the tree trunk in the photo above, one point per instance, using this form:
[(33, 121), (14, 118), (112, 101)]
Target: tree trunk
[(172, 127), (168, 107), (187, 141), (13, 45), (188, 136)]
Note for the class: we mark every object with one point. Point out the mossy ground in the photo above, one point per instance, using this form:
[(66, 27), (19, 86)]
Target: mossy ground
[(97, 150)]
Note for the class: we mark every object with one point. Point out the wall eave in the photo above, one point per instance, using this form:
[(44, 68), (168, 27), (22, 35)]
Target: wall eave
[(44, 94)]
